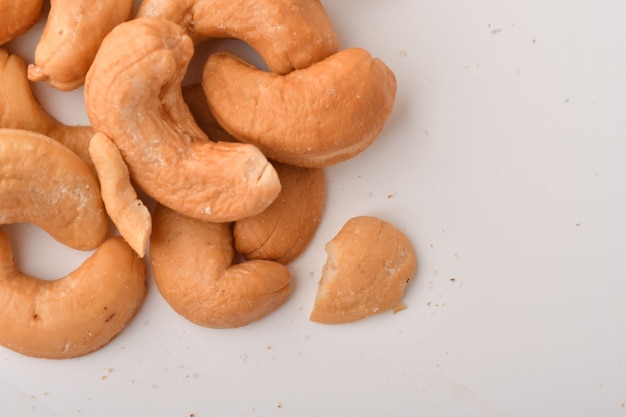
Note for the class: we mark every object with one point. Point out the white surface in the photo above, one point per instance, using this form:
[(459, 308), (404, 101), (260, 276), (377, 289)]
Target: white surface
[(502, 161)]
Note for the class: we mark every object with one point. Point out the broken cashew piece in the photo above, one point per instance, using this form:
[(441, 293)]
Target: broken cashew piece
[(20, 110), (314, 117), (127, 211), (192, 267), (287, 34), (283, 230), (74, 315), (17, 16), (369, 264), (71, 37), (133, 96), (43, 182)]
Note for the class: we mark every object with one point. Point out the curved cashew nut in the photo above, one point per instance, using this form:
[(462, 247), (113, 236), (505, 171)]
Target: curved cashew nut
[(127, 211), (133, 96), (17, 16), (20, 110), (313, 117), (288, 34), (43, 182), (283, 230), (74, 315), (191, 262), (370, 262), (71, 38)]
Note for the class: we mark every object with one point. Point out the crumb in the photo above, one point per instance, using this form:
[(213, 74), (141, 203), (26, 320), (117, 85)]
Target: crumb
[(452, 279), (268, 347), (389, 196), (109, 370), (103, 377), (577, 224), (431, 245), (279, 405), (398, 307)]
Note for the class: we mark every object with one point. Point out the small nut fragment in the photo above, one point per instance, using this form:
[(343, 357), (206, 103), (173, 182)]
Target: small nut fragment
[(283, 230), (314, 117), (74, 315), (126, 210), (192, 266), (369, 264), (43, 182)]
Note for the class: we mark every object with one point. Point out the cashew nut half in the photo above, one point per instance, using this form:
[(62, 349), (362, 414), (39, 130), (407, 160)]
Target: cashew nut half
[(127, 211), (20, 110), (71, 38), (370, 262), (74, 315), (314, 117), (43, 182), (288, 34), (17, 16), (191, 263), (133, 96)]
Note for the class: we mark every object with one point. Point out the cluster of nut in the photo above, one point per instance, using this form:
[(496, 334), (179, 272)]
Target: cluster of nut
[(259, 190)]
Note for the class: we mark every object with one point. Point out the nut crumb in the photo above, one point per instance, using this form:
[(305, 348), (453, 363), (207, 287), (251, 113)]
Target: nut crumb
[(398, 307)]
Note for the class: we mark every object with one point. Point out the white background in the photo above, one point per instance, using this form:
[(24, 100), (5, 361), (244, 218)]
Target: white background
[(502, 162)]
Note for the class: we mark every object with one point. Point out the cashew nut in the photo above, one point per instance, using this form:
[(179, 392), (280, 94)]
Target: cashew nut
[(196, 100), (17, 16), (369, 264), (71, 38), (313, 117), (127, 211), (283, 230), (20, 110), (133, 96), (74, 315), (191, 263), (43, 182), (288, 34)]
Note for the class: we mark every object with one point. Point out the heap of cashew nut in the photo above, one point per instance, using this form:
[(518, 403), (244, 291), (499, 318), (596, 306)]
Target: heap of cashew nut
[(235, 164)]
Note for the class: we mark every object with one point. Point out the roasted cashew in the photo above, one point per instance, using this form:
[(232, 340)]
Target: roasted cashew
[(313, 117), (288, 34), (71, 38), (191, 263), (127, 211), (20, 110), (283, 230), (17, 16), (74, 315), (133, 96), (369, 264), (43, 182)]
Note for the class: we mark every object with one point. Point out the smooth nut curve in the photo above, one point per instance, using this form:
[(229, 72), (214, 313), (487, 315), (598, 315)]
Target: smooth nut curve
[(192, 267), (20, 110), (370, 262), (43, 182), (74, 315), (283, 230), (71, 37), (287, 34), (318, 116), (126, 210), (133, 96), (17, 16)]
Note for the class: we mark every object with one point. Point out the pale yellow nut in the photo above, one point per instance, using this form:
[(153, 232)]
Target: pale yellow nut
[(71, 37), (314, 117), (20, 110), (127, 211), (74, 315), (133, 96), (43, 182), (17, 17), (192, 262), (287, 34), (370, 262)]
